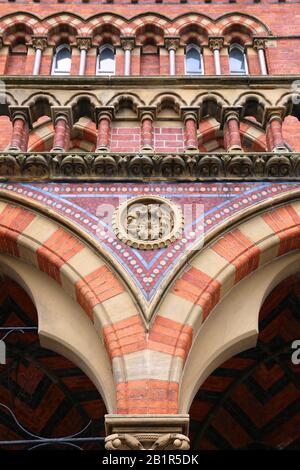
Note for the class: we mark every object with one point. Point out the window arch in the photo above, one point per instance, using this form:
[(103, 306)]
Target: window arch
[(193, 60), (62, 60), (106, 60), (237, 60)]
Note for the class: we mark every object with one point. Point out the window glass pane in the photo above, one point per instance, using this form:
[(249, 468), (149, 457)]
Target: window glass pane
[(237, 61), (63, 60), (193, 61), (107, 61)]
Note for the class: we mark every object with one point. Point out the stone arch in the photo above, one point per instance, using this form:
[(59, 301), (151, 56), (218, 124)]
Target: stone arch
[(176, 100), (40, 104), (83, 105), (254, 104), (12, 19), (134, 99), (155, 20), (54, 22), (203, 21), (100, 20), (241, 20), (228, 259), (211, 104), (88, 277)]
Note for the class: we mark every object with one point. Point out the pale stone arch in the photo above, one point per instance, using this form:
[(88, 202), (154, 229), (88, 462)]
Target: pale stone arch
[(253, 104), (86, 274), (233, 326), (63, 327), (211, 104), (176, 100), (40, 104), (211, 274)]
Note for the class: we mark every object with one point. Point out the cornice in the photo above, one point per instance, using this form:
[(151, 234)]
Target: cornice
[(159, 81)]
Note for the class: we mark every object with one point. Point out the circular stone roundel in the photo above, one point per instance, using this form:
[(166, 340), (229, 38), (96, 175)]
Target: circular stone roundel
[(148, 222)]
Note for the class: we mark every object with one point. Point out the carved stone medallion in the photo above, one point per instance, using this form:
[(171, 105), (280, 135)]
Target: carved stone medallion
[(148, 222)]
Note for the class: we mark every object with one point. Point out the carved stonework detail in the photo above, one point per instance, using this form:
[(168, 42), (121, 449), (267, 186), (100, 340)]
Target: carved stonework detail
[(147, 432), (172, 43), (178, 167), (148, 223), (39, 42), (84, 43), (216, 43), (259, 43), (169, 441), (128, 43)]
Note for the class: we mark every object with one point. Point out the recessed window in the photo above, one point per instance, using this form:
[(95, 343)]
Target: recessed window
[(106, 60), (62, 60), (193, 60), (237, 60)]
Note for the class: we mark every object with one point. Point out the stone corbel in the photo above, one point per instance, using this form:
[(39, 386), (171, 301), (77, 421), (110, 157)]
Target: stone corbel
[(20, 111), (147, 432), (64, 112)]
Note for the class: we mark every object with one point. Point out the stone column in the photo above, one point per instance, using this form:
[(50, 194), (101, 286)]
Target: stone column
[(63, 123), (39, 44), (231, 129), (127, 44), (83, 45), (275, 137), (104, 116), (172, 45), (216, 44), (20, 117), (147, 116), (260, 45), (190, 116)]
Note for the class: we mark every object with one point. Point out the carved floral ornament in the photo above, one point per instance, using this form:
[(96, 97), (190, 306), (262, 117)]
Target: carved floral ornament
[(148, 222)]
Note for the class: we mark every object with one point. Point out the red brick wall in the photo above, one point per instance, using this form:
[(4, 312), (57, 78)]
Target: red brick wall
[(125, 139), (5, 132), (168, 139)]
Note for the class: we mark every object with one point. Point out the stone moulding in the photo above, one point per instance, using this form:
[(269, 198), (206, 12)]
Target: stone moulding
[(43, 166)]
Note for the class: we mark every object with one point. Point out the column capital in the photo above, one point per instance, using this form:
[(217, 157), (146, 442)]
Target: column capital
[(83, 43), (101, 112), (172, 43), (190, 112), (39, 42), (127, 43), (259, 43), (273, 112), (62, 112), (216, 42), (146, 112), (230, 112), (146, 432), (20, 112)]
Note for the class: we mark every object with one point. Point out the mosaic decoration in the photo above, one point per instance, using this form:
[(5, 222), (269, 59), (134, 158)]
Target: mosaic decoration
[(204, 207)]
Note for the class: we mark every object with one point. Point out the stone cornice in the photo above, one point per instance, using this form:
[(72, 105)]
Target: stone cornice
[(160, 81), (47, 166)]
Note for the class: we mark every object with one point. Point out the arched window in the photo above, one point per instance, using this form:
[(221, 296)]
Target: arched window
[(237, 60), (106, 60), (62, 60), (193, 60)]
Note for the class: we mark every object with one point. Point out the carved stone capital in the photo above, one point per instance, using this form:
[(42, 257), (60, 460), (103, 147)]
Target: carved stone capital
[(259, 43), (273, 112), (20, 112), (62, 112), (216, 43), (39, 42), (102, 112), (230, 112), (147, 432), (84, 43), (127, 43), (146, 112), (190, 112), (172, 43)]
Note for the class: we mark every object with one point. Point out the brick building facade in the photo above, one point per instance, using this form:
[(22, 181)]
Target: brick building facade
[(150, 223)]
